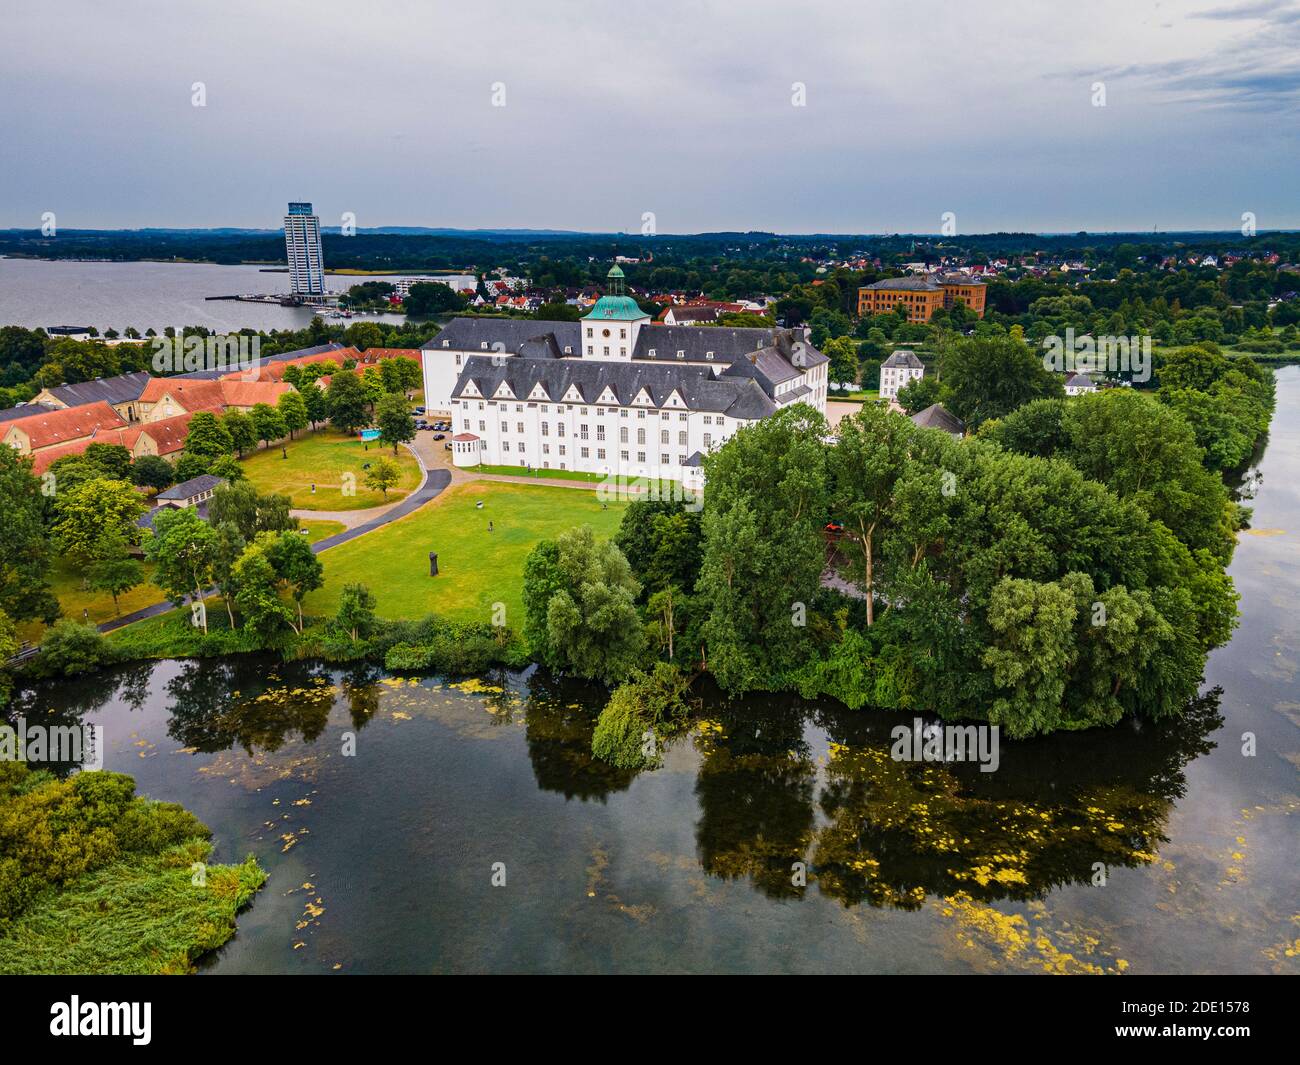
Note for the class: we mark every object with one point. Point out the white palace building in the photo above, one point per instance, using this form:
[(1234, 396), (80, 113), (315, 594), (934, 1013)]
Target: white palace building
[(612, 393)]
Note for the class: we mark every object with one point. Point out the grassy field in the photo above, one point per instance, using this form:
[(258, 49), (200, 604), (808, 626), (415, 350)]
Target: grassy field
[(476, 568), (562, 475), (322, 458), (65, 580)]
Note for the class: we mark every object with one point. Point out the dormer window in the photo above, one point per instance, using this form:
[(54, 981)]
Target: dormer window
[(446, 343), (483, 345), (681, 354), (708, 354), (568, 349), (652, 353)]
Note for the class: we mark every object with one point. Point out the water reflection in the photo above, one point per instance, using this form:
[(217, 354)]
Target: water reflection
[(776, 781)]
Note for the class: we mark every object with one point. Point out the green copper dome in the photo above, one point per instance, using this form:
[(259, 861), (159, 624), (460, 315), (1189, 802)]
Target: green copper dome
[(615, 271), (616, 309)]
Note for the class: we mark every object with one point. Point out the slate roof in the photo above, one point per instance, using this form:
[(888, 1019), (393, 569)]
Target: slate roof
[(765, 357), (25, 410), (695, 342), (120, 389), (204, 482), (1080, 380), (936, 416), (905, 360), (909, 284), (284, 356), (696, 385)]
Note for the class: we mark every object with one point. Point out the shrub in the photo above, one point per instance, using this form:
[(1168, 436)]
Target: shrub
[(70, 648)]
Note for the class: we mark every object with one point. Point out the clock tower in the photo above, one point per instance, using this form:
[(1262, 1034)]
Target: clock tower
[(610, 328)]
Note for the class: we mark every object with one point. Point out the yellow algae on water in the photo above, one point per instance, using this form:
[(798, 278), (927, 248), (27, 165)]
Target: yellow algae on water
[(474, 686)]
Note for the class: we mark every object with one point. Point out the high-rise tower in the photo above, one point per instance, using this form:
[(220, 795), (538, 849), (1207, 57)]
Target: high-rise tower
[(302, 247)]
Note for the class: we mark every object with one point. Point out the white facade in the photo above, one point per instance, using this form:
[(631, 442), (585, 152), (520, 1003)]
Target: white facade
[(635, 399), (895, 374)]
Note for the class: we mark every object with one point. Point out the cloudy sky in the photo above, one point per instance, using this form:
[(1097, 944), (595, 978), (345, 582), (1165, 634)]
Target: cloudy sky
[(385, 108)]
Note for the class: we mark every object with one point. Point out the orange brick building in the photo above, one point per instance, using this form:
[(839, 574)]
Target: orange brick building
[(922, 296)]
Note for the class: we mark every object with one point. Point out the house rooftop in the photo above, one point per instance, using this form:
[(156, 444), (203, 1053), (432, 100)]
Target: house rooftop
[(903, 359), (205, 482), (120, 389), (936, 416)]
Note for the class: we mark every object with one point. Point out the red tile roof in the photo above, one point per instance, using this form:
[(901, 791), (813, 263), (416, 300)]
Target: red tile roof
[(63, 426)]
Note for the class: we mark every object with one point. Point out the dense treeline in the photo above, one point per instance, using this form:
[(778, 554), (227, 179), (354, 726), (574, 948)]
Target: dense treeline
[(1061, 569)]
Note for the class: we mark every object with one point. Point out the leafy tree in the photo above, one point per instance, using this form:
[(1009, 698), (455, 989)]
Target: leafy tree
[(843, 353), (764, 552), (24, 544), (663, 543), (113, 461), (393, 417), (989, 377), (70, 648), (356, 614), (227, 466), (870, 454), (580, 606), (317, 405), (294, 562), (152, 471), (206, 437), (243, 434), (919, 393), (183, 548), (93, 520), (189, 466), (426, 299), (115, 573), (347, 402), (250, 511), (258, 592), (383, 474), (268, 423), (293, 409)]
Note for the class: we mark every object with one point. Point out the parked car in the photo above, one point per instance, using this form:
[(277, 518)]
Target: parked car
[(417, 410), (447, 445), (440, 436)]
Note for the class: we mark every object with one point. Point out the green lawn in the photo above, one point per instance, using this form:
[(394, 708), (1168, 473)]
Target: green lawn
[(318, 530), (563, 475), (322, 458), (79, 603), (476, 568), (856, 396)]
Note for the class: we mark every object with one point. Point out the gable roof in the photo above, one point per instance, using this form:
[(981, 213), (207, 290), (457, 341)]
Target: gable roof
[(284, 356), (120, 389), (70, 423), (25, 410), (936, 416), (902, 359), (698, 388), (905, 284), (204, 482)]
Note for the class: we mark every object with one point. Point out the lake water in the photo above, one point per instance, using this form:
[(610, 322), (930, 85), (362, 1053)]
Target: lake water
[(36, 293), (383, 861)]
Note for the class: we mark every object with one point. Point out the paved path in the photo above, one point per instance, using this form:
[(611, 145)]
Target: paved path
[(431, 485)]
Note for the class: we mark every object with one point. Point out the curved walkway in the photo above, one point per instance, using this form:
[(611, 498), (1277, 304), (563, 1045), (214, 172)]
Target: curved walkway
[(431, 485)]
